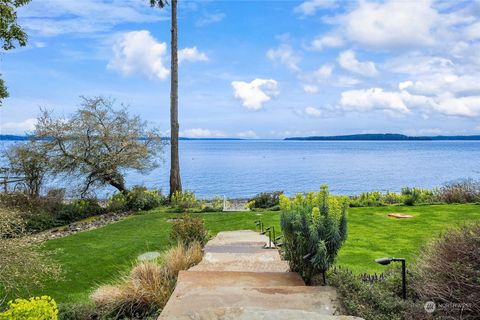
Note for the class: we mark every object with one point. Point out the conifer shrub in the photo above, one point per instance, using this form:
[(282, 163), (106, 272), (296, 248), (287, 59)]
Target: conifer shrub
[(314, 227)]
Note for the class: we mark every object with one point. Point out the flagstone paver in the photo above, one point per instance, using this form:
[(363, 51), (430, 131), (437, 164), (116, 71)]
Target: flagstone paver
[(239, 279)]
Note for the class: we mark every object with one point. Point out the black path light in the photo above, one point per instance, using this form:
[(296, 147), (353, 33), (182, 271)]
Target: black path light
[(276, 241), (385, 261)]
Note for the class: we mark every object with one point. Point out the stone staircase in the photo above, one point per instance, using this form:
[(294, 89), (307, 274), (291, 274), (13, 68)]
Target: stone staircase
[(239, 279)]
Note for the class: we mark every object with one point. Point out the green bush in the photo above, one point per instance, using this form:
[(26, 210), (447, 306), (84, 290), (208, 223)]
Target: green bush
[(41, 308), (27, 204), (188, 229), (78, 311), (408, 196), (41, 221), (79, 209), (184, 200), (367, 199), (314, 228), (117, 203), (42, 213), (214, 205), (266, 200), (139, 198), (412, 196), (371, 301)]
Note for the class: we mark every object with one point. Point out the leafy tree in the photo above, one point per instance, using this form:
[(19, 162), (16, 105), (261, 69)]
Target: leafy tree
[(10, 32), (29, 161), (175, 181), (314, 227), (98, 143)]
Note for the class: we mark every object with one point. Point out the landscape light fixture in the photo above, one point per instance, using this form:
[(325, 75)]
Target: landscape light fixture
[(276, 241), (386, 261)]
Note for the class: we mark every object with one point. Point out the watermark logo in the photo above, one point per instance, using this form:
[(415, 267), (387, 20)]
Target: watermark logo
[(429, 306)]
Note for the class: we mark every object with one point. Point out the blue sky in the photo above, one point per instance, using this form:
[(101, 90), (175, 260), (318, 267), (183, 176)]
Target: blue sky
[(257, 69)]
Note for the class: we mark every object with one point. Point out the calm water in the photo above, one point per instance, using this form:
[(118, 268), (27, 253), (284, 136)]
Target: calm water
[(244, 168)]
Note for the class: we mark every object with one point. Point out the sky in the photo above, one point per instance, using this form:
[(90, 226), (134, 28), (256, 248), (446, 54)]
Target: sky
[(254, 69)]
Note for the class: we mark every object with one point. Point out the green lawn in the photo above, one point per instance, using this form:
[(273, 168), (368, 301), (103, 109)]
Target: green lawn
[(99, 256)]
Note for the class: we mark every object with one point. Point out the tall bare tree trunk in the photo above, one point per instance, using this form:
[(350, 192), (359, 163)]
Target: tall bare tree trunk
[(175, 182)]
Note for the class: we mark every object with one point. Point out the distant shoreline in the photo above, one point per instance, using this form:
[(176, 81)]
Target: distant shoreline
[(383, 137), (352, 137)]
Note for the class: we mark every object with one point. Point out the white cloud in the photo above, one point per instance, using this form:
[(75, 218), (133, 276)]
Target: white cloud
[(139, 52), (405, 85), (328, 41), (310, 88), (312, 80), (20, 127), (54, 17), (208, 19), (344, 81), (472, 32), (348, 61), (458, 106), (39, 44), (254, 94), (402, 102), (324, 72), (378, 99), (414, 64), (284, 55), (202, 133), (247, 134), (313, 112), (309, 7), (191, 54), (391, 25), (440, 83)]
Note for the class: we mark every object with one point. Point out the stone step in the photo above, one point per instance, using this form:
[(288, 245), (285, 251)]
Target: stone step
[(239, 313), (245, 237), (217, 300), (187, 279), (243, 265), (264, 255)]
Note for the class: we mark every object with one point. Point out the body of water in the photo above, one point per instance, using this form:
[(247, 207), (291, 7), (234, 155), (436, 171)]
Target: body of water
[(246, 167)]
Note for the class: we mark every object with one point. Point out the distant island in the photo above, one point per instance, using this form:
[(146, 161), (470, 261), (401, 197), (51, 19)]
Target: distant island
[(11, 137), (383, 137)]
